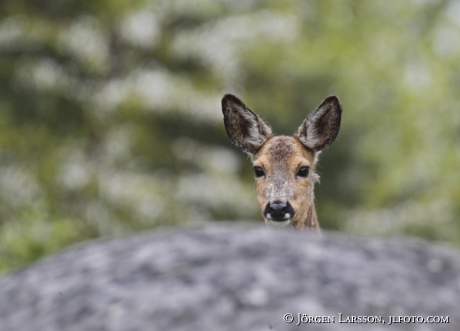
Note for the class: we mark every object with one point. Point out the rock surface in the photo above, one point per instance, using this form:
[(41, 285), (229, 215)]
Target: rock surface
[(222, 277)]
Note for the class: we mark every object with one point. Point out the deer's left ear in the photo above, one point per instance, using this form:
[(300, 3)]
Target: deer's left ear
[(245, 129), (322, 125)]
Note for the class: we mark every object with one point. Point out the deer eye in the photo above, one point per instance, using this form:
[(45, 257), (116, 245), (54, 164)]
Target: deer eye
[(303, 172), (258, 172)]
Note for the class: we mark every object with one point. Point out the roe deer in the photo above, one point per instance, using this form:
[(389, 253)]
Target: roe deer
[(284, 166)]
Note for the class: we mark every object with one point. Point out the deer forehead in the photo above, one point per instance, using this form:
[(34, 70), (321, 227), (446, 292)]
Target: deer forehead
[(282, 154)]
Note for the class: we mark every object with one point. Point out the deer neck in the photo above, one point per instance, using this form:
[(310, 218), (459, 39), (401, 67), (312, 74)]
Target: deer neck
[(311, 221)]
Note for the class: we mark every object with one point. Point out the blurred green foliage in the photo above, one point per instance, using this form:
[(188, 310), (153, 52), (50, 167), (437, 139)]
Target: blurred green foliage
[(110, 116)]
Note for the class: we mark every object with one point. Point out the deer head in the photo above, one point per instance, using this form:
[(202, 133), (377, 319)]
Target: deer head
[(284, 166)]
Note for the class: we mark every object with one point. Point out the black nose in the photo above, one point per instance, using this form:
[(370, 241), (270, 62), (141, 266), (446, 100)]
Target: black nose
[(278, 210)]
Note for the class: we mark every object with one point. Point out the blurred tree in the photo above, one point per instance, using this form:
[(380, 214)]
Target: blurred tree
[(110, 115)]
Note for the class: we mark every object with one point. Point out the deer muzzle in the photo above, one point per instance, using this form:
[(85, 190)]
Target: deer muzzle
[(279, 212)]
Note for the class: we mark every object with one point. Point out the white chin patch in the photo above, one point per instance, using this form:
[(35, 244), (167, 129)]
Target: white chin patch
[(280, 224)]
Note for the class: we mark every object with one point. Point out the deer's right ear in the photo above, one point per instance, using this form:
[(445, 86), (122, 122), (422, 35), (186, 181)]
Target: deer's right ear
[(245, 129), (322, 125)]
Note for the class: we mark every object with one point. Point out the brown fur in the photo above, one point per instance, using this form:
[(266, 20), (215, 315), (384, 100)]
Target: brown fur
[(281, 157)]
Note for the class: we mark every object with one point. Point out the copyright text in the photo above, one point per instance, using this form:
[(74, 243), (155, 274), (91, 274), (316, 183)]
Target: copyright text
[(300, 318)]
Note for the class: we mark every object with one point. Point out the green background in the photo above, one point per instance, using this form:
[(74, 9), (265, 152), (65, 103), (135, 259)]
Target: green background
[(110, 118)]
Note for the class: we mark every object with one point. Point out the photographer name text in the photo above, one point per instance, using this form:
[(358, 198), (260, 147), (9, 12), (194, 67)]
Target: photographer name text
[(301, 318)]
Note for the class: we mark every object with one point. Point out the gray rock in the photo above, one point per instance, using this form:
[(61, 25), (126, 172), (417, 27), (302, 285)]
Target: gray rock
[(233, 278)]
